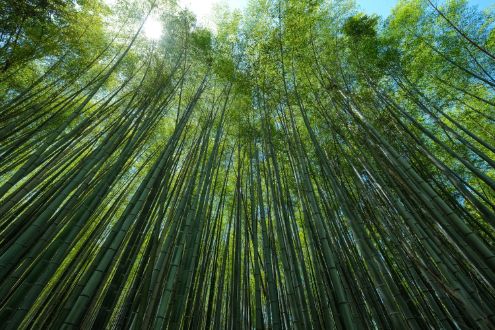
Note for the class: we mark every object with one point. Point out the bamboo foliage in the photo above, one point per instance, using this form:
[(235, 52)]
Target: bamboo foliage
[(294, 170)]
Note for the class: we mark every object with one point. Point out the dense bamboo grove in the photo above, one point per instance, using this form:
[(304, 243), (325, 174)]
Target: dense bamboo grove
[(305, 166)]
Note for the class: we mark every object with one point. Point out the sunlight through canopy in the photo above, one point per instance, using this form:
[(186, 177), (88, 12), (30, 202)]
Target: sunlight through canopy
[(153, 28)]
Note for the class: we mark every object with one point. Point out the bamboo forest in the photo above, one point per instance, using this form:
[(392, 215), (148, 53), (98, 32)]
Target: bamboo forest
[(292, 164)]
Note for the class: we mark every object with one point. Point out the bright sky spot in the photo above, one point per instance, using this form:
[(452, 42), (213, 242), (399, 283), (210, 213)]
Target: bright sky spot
[(203, 9), (153, 28)]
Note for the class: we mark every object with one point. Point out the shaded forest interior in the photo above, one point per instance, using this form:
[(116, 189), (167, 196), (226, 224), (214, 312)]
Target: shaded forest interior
[(296, 165)]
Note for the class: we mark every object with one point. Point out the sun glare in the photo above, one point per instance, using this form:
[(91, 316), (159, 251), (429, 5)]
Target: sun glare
[(153, 28)]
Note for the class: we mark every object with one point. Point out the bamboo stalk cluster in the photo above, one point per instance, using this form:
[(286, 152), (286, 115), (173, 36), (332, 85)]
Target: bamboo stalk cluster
[(297, 191)]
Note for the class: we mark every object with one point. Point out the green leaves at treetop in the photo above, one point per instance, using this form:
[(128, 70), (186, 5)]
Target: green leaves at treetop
[(361, 26), (300, 165)]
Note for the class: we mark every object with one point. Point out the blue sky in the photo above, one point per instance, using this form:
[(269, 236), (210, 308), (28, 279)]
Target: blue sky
[(380, 7), (203, 8), (383, 7)]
